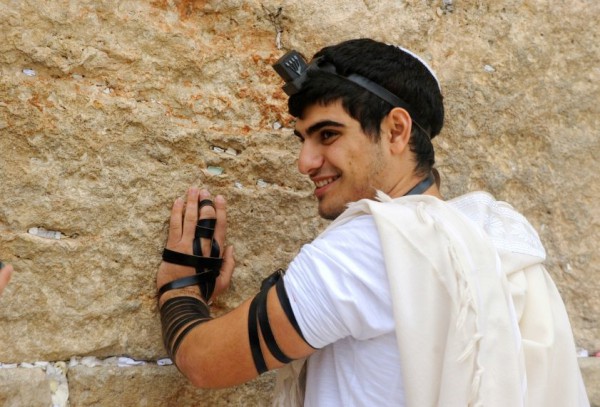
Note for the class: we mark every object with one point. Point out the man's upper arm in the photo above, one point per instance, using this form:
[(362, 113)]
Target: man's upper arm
[(333, 298), (218, 354)]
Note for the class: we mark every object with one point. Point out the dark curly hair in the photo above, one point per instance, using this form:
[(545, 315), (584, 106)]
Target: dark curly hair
[(390, 67)]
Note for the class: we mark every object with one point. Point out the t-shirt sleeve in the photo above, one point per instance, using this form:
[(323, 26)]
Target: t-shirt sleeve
[(337, 285)]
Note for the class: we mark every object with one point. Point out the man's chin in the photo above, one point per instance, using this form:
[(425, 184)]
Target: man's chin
[(329, 213)]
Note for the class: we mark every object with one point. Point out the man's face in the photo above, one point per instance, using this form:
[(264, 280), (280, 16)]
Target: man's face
[(341, 160)]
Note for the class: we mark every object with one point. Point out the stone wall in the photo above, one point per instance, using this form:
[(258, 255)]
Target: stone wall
[(110, 109)]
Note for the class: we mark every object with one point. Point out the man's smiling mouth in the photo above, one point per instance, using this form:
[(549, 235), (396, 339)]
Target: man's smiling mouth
[(323, 182)]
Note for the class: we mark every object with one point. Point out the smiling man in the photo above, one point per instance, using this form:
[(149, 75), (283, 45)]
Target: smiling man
[(406, 299)]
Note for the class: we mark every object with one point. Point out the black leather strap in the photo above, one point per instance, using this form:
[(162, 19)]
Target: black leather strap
[(171, 331), (206, 202), (215, 250), (174, 303), (182, 335), (208, 276), (257, 355), (207, 267), (265, 327), (271, 280), (180, 309), (191, 260), (422, 186), (287, 308), (177, 313), (205, 228)]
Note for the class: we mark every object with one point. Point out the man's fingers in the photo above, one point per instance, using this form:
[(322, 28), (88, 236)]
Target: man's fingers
[(226, 272), (175, 225), (221, 215), (190, 218), (207, 212)]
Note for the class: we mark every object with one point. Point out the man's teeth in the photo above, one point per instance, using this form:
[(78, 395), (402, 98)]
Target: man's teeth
[(324, 182)]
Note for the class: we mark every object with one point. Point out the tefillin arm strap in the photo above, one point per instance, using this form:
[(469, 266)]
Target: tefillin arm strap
[(179, 315), (258, 321)]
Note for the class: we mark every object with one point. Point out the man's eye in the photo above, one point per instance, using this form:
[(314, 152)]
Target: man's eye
[(325, 135)]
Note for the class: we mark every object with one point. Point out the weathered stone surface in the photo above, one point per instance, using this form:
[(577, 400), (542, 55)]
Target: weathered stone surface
[(152, 385), (590, 369), (117, 122), (129, 97), (24, 387)]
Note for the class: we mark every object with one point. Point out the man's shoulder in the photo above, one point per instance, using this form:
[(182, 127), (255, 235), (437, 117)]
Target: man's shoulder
[(508, 229), (357, 226)]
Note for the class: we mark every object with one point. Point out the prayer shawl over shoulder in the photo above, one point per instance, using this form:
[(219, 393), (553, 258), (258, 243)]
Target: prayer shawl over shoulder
[(479, 321)]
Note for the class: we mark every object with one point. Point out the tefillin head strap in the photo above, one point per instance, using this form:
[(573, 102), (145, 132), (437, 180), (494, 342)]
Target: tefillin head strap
[(293, 69)]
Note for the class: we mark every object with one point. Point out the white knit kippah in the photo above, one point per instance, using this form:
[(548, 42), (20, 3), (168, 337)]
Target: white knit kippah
[(422, 61)]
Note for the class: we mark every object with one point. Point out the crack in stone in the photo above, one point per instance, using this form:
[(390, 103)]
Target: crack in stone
[(275, 17)]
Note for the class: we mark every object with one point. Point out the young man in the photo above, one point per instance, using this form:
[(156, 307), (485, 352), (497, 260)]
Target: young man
[(405, 299)]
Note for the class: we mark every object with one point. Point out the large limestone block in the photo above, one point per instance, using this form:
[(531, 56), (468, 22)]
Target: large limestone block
[(153, 385), (130, 104), (24, 387), (590, 369)]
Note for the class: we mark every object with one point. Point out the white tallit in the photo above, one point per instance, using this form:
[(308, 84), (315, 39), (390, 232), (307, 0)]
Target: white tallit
[(479, 322)]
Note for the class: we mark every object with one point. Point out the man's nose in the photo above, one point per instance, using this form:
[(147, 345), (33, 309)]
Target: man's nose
[(310, 159)]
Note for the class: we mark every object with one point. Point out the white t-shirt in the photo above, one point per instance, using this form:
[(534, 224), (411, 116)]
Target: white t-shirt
[(339, 292)]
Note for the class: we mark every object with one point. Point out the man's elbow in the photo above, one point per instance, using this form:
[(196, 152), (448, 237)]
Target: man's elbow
[(198, 375), (199, 380), (204, 377), (211, 376)]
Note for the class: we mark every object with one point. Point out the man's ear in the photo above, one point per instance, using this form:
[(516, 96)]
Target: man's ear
[(399, 125)]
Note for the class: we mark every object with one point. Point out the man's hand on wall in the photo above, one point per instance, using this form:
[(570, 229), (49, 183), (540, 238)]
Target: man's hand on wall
[(182, 229)]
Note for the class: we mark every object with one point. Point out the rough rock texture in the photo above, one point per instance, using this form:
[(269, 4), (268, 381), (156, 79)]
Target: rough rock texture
[(24, 387), (113, 386), (109, 110), (590, 368)]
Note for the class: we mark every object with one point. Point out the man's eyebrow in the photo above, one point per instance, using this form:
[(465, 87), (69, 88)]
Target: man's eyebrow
[(318, 126)]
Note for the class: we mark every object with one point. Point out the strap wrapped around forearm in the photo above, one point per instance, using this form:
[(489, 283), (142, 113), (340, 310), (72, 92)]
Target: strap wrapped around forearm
[(179, 315)]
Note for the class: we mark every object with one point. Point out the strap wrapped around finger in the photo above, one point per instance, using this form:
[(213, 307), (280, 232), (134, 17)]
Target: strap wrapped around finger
[(208, 267), (205, 228)]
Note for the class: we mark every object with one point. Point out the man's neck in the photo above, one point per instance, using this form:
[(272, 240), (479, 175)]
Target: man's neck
[(416, 185)]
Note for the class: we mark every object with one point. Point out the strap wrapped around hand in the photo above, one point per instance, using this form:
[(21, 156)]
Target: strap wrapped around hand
[(207, 267)]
